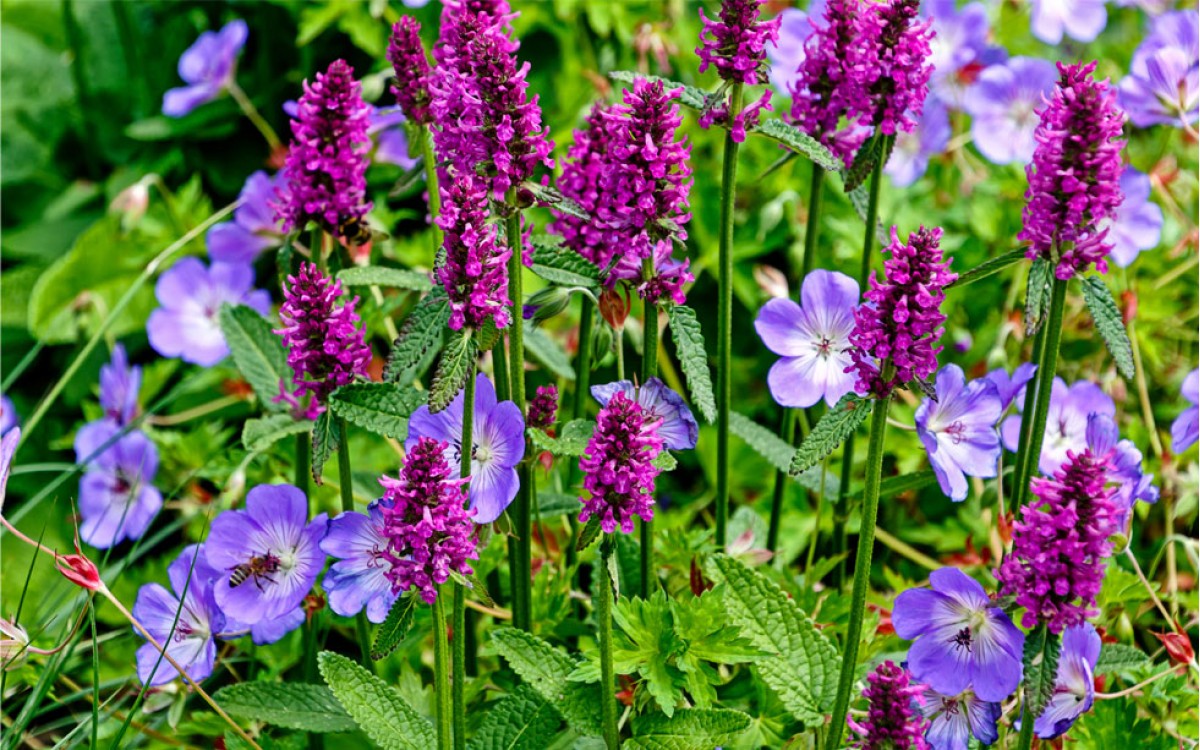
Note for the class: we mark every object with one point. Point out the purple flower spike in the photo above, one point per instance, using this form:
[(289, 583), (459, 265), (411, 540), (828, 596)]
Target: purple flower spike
[(207, 67), (1009, 388), (1125, 467), (359, 578), (812, 339), (893, 721), (1185, 430), (1163, 85), (1060, 544), (543, 406), (890, 63), (188, 640), (960, 639), (959, 430), (1073, 179), (117, 496), (327, 160), (786, 54), (119, 385), (1082, 20), (475, 274), (254, 228), (894, 338), (736, 42), (1074, 686), (430, 534), (953, 720), (618, 466), (190, 296), (586, 168), (498, 434), (1003, 104), (1066, 421), (407, 56), (910, 158), (1137, 224), (677, 427), (326, 349), (268, 554)]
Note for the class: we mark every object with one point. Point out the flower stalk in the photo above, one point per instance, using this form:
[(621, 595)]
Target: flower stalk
[(604, 604), (459, 621), (522, 575), (649, 370), (1047, 364), (441, 674), (346, 486)]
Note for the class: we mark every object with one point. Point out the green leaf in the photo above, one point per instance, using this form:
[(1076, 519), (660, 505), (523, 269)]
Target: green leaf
[(778, 453), (989, 267), (547, 352), (451, 376), (572, 439), (419, 340), (399, 278), (550, 196), (1037, 294), (1117, 657), (588, 534), (1041, 669), (860, 199), (893, 486), (257, 351), (647, 644), (563, 266), (664, 461), (522, 720), (693, 358), (688, 729), (379, 710), (839, 423), (260, 434), (395, 627), (382, 408), (800, 142), (545, 668), (689, 97), (803, 664), (864, 163), (554, 504), (1107, 317), (324, 443), (293, 705)]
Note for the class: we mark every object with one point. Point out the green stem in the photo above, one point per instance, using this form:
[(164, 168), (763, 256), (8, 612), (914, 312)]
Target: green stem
[(443, 718), (303, 460), (1045, 381), (1020, 464), (583, 374), (516, 363), (252, 114), (841, 511), (872, 221), (459, 640), (725, 318), (608, 682), (787, 431), (812, 230), (862, 571), (816, 535), (346, 486), (649, 370), (431, 185)]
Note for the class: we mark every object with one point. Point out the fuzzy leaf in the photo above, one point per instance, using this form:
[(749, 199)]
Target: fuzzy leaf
[(796, 140), (554, 504), (588, 534), (860, 200), (803, 664), (395, 627), (382, 408), (547, 352), (379, 710), (324, 443), (693, 358), (1041, 669), (420, 336), (778, 453), (864, 163), (546, 195), (688, 729), (839, 423), (260, 434), (572, 439), (664, 461), (989, 267), (292, 705), (522, 720), (1109, 323), (565, 267), (1117, 657), (689, 97), (1037, 294), (399, 278), (545, 668), (451, 376), (257, 351)]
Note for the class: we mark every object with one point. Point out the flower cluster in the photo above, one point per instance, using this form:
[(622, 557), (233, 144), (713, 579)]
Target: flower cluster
[(890, 66), (618, 465), (327, 160), (407, 56), (736, 45), (895, 335), (582, 180), (543, 406), (475, 270), (823, 92), (430, 533), (676, 425), (891, 722), (1075, 173), (326, 349)]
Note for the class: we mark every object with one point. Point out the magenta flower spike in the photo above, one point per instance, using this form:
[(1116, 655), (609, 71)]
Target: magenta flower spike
[(543, 407), (583, 176), (475, 271), (618, 465), (735, 43), (825, 90), (890, 62), (407, 56), (893, 721)]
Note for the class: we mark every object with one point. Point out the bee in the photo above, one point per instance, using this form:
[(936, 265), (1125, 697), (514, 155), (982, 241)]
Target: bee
[(259, 567), (357, 232)]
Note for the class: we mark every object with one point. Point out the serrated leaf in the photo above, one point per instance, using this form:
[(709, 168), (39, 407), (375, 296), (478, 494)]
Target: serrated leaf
[(839, 423), (989, 267), (804, 663), (778, 453), (257, 352), (547, 195), (689, 97), (260, 434), (547, 352), (382, 408), (522, 720), (1117, 657), (451, 376), (865, 158), (399, 278), (588, 534), (688, 729), (554, 504), (381, 713), (860, 200), (563, 266), (420, 337), (293, 705), (693, 358), (572, 438), (324, 443), (1109, 323), (1037, 294), (800, 142), (545, 668), (1040, 661), (395, 627), (893, 486), (664, 461)]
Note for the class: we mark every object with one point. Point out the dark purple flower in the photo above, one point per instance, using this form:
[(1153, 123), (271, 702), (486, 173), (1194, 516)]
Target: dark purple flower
[(407, 56), (1124, 467), (327, 159), (786, 54), (812, 339), (893, 721), (1163, 85), (119, 386), (254, 228), (1003, 104), (584, 172), (736, 42), (391, 142), (1137, 224), (745, 120), (1074, 685), (961, 640), (1082, 20), (954, 719), (326, 349), (1060, 544), (498, 437), (475, 271), (1073, 179), (1066, 421), (359, 578), (543, 406), (959, 430), (190, 295), (960, 48), (890, 65), (666, 279), (618, 465), (1010, 388), (268, 554), (117, 496), (207, 67), (8, 415), (896, 330), (1185, 430), (910, 157), (676, 426), (189, 639), (430, 534)]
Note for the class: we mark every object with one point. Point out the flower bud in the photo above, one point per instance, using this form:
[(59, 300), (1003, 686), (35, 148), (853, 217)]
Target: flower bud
[(78, 569), (771, 280), (614, 308)]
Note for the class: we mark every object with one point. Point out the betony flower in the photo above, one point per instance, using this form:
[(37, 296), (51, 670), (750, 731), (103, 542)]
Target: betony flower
[(119, 385), (1186, 428), (359, 578), (325, 347), (893, 721), (954, 719), (961, 640), (183, 621), (430, 534), (1082, 20), (190, 295), (1137, 223), (117, 496), (960, 48), (475, 271), (268, 554), (910, 157), (407, 56), (255, 227), (498, 437), (1066, 421), (618, 465), (1163, 85), (1003, 104), (735, 44), (1124, 467), (676, 425), (1009, 388), (208, 67), (890, 65), (786, 53), (959, 430), (1074, 684), (543, 407), (584, 172), (1075, 173), (666, 279), (812, 339)]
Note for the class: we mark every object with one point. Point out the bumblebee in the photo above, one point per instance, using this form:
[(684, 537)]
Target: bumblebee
[(259, 568)]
